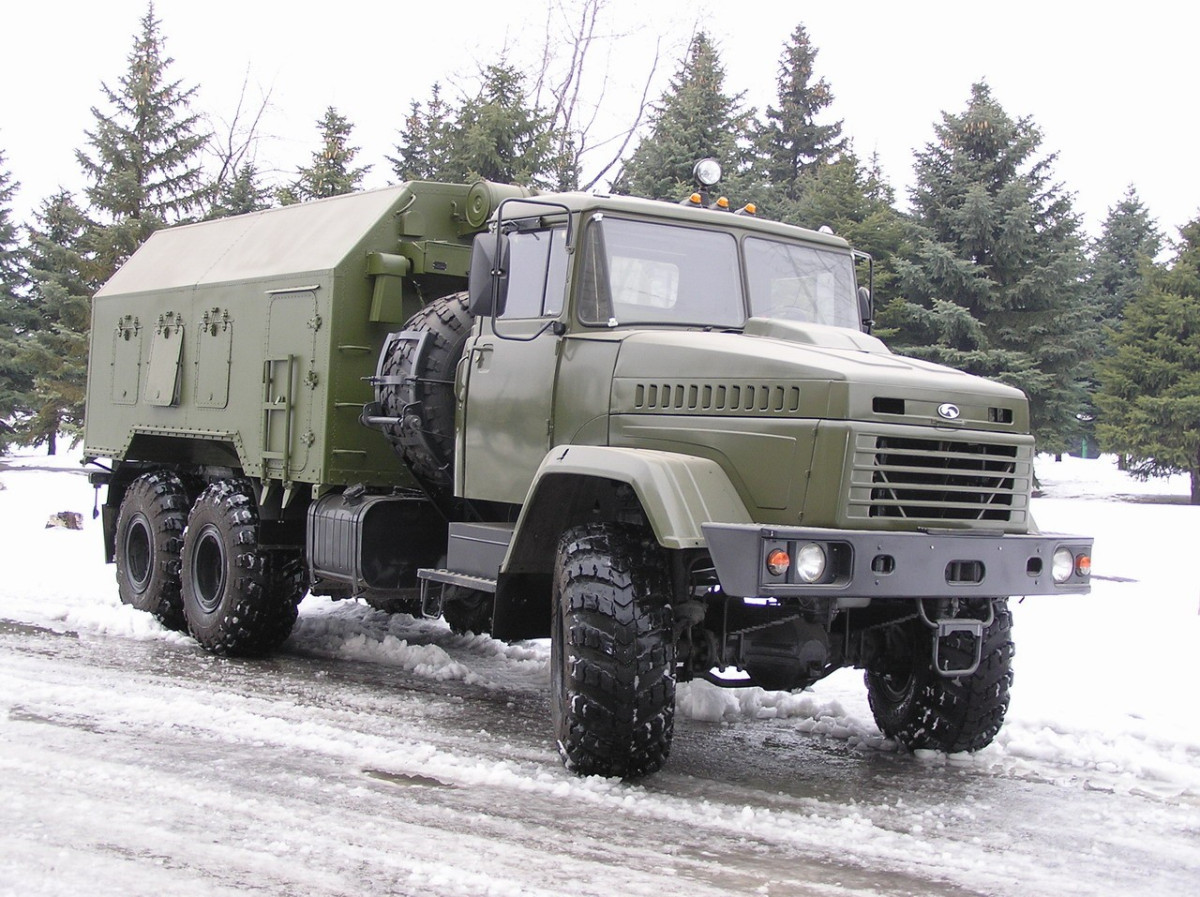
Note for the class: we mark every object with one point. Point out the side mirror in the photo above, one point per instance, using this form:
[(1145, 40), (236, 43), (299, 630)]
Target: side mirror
[(487, 283), (866, 309)]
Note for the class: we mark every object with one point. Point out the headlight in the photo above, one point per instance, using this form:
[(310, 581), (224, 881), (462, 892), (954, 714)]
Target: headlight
[(707, 172), (810, 563), (1064, 565)]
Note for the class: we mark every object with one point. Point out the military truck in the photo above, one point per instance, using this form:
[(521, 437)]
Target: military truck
[(658, 433)]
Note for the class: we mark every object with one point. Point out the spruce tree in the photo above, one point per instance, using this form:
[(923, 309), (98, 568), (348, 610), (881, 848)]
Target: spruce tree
[(240, 195), (426, 141), (143, 155), (1150, 384), (1128, 241), (12, 267), (63, 279), (332, 171), (856, 202), (500, 136), (993, 278), (497, 133), (1118, 262), (811, 177), (694, 119), (791, 141), (16, 318)]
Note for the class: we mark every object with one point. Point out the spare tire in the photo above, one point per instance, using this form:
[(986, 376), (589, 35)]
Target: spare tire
[(416, 388)]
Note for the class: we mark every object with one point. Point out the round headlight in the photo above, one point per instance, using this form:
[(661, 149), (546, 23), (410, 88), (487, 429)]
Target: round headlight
[(707, 172), (1063, 565), (810, 563)]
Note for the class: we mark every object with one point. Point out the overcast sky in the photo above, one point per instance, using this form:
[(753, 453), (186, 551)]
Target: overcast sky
[(1111, 87)]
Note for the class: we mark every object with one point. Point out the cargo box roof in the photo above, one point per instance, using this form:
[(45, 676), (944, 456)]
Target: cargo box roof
[(298, 239)]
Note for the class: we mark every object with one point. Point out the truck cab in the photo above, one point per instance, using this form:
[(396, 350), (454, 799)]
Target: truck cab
[(701, 387)]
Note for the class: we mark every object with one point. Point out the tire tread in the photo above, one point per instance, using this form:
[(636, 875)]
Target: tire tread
[(951, 714), (618, 658), (263, 588)]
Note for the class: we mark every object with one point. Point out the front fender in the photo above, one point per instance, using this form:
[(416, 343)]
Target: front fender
[(678, 493), (575, 485)]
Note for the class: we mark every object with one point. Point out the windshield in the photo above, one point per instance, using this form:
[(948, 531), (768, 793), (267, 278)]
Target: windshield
[(800, 283), (638, 272), (641, 272)]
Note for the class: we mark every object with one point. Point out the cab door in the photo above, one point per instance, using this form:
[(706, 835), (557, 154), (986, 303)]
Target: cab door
[(510, 372)]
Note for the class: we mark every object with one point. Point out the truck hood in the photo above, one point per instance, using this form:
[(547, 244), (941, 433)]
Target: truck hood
[(773, 368)]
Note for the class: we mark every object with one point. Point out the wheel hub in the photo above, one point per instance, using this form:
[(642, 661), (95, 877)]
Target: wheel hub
[(139, 554), (208, 569), (897, 686)]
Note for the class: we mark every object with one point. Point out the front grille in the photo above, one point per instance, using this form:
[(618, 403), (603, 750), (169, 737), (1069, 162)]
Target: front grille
[(939, 479)]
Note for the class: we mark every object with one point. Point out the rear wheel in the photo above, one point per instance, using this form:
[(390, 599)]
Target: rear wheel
[(918, 707), (612, 652), (149, 540), (238, 598)]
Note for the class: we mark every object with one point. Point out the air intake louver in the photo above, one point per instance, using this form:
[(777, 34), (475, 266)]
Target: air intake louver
[(744, 398)]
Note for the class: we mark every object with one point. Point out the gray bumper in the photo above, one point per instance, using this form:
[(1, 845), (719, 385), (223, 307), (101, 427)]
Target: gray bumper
[(869, 565)]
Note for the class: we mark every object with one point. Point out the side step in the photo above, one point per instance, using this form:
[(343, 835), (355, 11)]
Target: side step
[(431, 605)]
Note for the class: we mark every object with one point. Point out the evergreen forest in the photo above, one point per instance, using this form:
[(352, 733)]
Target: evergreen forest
[(986, 268)]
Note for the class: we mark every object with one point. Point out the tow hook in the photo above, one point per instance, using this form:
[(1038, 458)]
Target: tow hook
[(944, 628)]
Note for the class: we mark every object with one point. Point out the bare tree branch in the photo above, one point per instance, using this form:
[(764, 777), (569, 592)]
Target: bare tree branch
[(572, 36), (233, 141), (627, 135)]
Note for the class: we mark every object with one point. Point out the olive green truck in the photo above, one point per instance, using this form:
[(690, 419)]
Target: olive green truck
[(659, 434)]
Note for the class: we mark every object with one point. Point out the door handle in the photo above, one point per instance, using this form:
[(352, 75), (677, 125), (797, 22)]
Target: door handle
[(480, 355)]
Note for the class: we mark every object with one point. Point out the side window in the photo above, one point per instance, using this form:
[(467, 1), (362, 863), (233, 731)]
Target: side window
[(537, 273)]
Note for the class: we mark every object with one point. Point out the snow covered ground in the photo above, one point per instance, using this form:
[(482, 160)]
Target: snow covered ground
[(1092, 786)]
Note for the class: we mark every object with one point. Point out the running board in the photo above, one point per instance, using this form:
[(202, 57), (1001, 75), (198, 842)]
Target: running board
[(431, 605), (450, 578)]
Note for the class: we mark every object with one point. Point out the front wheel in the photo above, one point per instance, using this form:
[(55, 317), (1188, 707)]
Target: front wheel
[(238, 598), (612, 652), (918, 707)]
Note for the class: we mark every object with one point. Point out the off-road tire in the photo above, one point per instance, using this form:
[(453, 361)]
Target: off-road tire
[(915, 705), (468, 610), (426, 406), (238, 598), (612, 657), (149, 540)]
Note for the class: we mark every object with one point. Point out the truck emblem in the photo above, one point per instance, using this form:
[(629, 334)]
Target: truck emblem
[(948, 411)]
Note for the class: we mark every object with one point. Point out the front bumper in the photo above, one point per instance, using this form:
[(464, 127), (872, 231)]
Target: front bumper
[(863, 566)]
